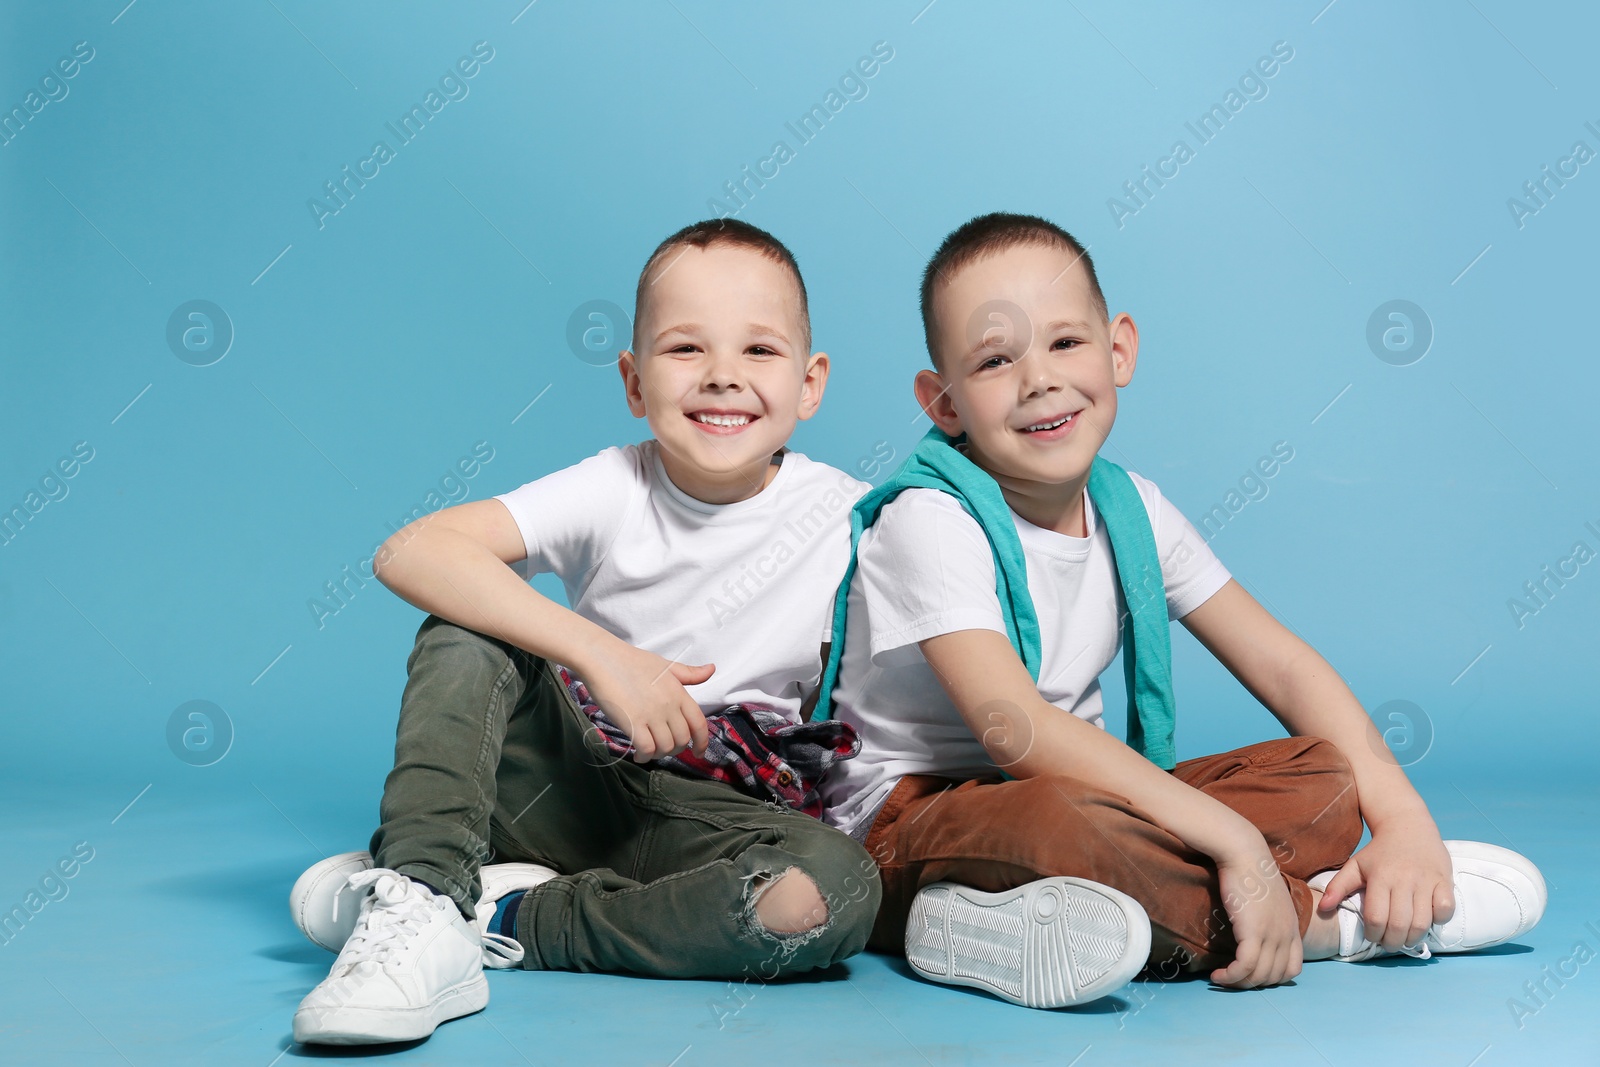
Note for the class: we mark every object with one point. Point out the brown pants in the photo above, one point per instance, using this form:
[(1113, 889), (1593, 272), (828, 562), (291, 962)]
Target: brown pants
[(995, 834)]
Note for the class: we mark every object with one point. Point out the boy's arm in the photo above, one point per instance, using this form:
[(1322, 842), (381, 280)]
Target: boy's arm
[(1404, 872), (1029, 737), (454, 564)]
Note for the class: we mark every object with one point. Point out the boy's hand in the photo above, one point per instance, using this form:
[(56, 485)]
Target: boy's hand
[(643, 694), (1406, 880), (1264, 925)]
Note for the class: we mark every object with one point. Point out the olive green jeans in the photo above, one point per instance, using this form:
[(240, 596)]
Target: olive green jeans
[(494, 762)]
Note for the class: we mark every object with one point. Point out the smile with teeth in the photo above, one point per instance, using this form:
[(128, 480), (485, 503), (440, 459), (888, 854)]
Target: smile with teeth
[(1051, 424), (711, 418)]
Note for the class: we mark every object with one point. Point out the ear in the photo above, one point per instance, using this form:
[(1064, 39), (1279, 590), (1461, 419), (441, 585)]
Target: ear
[(632, 386), (1124, 347), (815, 382), (933, 397)]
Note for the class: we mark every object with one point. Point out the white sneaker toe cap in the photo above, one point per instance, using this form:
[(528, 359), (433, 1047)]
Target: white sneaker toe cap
[(1500, 896)]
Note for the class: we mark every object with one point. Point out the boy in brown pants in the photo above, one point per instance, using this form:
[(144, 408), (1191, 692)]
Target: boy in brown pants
[(995, 576)]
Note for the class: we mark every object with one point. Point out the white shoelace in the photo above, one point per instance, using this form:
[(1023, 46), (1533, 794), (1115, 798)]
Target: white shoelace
[(398, 910), (499, 951), (395, 900)]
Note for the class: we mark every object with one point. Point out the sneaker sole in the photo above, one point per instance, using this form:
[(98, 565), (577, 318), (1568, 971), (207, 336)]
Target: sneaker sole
[(311, 899), (1506, 868), (374, 1026), (1047, 944)]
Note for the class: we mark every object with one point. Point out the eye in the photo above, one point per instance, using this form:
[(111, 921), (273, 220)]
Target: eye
[(993, 361), (762, 350), (683, 349), (1063, 344)]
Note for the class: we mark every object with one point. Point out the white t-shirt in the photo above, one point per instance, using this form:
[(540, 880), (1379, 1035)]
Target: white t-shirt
[(747, 586), (925, 569)]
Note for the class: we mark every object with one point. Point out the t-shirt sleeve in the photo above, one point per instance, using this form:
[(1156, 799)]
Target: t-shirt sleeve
[(925, 569), (1191, 572), (569, 518)]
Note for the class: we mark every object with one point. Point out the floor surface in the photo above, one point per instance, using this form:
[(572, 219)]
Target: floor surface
[(172, 945)]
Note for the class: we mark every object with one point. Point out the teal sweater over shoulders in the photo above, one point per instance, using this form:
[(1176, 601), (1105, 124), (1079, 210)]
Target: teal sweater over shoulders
[(936, 463)]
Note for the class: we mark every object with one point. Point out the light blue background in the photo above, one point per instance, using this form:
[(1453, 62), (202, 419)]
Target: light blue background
[(372, 353)]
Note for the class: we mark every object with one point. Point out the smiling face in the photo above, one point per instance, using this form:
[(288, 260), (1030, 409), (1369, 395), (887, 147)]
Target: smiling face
[(721, 371), (1029, 371)]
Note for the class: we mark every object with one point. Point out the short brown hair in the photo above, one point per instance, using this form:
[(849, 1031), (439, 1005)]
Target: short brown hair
[(987, 235), (711, 232)]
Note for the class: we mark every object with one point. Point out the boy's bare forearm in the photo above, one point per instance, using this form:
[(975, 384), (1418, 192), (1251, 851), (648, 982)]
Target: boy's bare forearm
[(1316, 702), (1066, 745), (1294, 682), (455, 576)]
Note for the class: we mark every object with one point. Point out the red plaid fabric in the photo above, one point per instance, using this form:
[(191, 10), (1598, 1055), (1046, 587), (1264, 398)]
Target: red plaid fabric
[(753, 748)]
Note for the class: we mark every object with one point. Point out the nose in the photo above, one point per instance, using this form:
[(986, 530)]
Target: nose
[(1039, 374), (722, 371)]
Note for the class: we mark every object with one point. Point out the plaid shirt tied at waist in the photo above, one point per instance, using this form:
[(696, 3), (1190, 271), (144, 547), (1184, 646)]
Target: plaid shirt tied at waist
[(756, 749)]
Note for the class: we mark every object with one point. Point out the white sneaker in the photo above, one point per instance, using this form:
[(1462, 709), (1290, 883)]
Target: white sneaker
[(500, 880), (325, 902), (1499, 896), (412, 962), (1047, 944)]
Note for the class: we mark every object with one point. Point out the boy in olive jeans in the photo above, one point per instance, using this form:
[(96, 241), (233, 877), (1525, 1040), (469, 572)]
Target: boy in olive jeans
[(700, 566)]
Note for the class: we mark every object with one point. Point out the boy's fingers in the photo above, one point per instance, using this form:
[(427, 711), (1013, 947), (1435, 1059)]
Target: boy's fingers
[(1235, 976), (678, 729), (1270, 971), (666, 740), (699, 733), (1444, 903), (659, 738), (1224, 975), (1264, 969), (1375, 914), (1269, 974), (644, 746), (1421, 915), (1277, 958), (1347, 881), (692, 674), (1399, 929), (1286, 968), (1400, 919), (1244, 962)]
